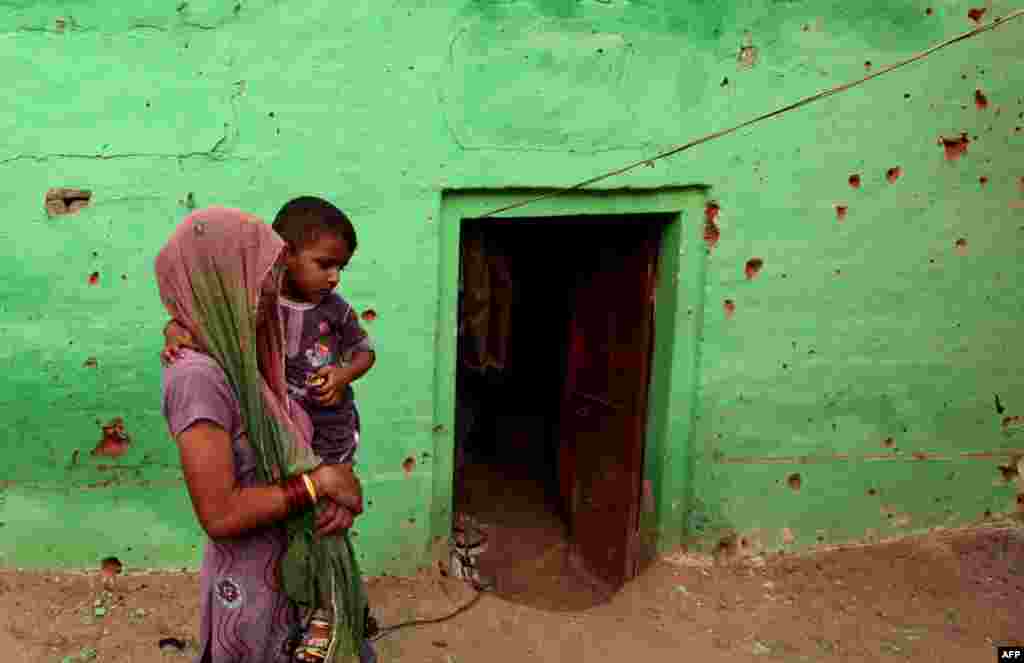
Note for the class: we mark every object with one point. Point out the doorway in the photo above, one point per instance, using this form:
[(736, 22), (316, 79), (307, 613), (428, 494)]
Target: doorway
[(555, 337)]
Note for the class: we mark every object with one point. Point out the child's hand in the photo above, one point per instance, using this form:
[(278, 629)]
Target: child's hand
[(328, 385), (176, 337)]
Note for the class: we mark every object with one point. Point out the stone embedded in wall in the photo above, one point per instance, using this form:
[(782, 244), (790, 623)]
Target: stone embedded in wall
[(60, 201)]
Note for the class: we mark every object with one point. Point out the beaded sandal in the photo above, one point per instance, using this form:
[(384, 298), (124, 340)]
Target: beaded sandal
[(468, 541)]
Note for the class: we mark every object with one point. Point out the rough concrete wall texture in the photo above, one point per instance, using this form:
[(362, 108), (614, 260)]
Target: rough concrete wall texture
[(854, 337)]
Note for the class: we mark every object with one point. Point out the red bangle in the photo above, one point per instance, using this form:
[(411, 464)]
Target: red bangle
[(296, 494)]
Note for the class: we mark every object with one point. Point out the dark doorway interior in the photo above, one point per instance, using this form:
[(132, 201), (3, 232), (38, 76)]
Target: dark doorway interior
[(556, 325)]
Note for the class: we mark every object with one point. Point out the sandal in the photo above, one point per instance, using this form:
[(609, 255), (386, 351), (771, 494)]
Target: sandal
[(465, 548), (315, 641)]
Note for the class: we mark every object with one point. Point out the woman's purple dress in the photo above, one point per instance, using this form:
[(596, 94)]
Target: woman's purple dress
[(244, 615)]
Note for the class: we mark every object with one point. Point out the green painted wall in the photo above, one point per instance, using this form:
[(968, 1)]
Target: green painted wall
[(382, 106)]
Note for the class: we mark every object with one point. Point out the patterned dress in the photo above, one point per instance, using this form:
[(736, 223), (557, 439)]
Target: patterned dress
[(318, 335), (244, 615)]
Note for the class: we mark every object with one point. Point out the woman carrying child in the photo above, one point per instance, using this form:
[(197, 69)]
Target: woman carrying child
[(276, 517)]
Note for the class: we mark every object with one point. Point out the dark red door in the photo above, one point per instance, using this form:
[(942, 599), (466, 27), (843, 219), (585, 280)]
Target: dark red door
[(605, 401)]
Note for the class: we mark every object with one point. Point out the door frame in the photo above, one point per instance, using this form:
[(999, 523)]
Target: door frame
[(679, 305)]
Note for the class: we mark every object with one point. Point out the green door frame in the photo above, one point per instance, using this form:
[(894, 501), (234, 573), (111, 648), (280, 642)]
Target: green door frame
[(679, 306)]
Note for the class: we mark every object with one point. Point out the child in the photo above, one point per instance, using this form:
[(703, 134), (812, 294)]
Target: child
[(326, 348)]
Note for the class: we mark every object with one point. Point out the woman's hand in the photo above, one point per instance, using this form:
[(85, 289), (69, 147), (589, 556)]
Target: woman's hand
[(176, 337), (339, 484), (331, 518)]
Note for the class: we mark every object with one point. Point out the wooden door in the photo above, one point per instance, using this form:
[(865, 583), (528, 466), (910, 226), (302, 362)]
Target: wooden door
[(605, 402)]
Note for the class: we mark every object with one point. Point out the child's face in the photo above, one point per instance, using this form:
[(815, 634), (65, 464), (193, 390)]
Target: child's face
[(313, 270)]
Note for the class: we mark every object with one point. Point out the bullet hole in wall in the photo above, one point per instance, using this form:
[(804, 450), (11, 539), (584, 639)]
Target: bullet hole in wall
[(961, 246), (409, 464), (730, 308), (841, 213), (1008, 472), (929, 11), (872, 492), (61, 200), (753, 268), (115, 441), (854, 181), (980, 100), (794, 481), (747, 56), (983, 180), (712, 234), (110, 567), (893, 174), (954, 148)]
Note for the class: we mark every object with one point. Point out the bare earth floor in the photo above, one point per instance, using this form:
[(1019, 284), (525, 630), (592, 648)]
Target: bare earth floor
[(944, 597)]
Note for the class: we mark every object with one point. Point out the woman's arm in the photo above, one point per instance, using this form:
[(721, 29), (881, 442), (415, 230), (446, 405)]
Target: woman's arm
[(224, 508)]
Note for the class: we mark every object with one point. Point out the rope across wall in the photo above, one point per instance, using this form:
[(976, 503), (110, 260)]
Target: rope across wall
[(766, 116)]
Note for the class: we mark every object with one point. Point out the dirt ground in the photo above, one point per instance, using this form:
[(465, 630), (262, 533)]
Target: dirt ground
[(945, 597)]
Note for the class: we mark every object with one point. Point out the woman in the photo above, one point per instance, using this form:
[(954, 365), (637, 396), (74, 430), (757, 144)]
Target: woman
[(267, 504)]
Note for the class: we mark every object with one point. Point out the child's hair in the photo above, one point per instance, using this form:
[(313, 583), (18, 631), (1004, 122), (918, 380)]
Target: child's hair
[(302, 220)]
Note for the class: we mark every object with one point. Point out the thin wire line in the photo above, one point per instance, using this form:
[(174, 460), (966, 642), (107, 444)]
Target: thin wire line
[(785, 109)]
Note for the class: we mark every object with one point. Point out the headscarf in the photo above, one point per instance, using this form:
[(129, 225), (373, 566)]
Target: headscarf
[(219, 276)]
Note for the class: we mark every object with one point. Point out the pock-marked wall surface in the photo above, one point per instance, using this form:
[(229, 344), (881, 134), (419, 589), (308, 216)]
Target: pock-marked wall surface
[(860, 367)]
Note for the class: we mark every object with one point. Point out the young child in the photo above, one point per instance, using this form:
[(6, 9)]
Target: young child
[(326, 347)]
